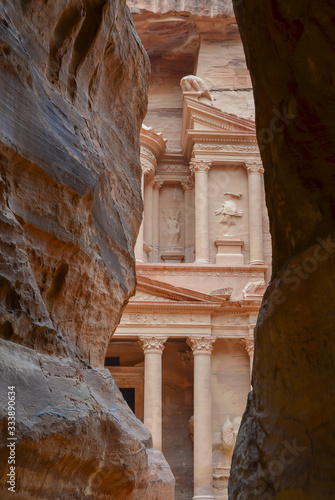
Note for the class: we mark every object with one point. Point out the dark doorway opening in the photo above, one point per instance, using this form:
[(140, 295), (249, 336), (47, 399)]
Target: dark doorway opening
[(129, 395)]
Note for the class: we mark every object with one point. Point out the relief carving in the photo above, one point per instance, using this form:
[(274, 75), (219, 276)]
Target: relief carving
[(172, 226), (228, 211), (254, 288), (193, 83), (228, 437)]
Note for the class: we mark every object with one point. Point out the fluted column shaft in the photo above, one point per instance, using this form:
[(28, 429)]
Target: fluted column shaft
[(201, 169), (153, 349), (255, 172), (203, 471)]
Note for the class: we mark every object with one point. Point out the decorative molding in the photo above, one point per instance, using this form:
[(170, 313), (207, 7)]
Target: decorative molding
[(255, 166), (173, 168), (200, 165), (201, 345), (152, 344), (171, 317), (248, 344), (223, 292), (230, 148)]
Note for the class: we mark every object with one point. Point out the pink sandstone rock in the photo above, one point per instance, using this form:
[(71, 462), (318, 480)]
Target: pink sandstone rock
[(286, 445), (74, 80)]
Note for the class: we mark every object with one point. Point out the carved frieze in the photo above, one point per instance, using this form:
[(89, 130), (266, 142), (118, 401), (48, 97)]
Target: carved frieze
[(229, 148)]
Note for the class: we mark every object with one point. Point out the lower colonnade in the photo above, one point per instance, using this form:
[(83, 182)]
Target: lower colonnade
[(201, 348)]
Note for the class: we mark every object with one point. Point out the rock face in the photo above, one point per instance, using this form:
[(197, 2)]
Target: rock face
[(74, 79), (286, 445)]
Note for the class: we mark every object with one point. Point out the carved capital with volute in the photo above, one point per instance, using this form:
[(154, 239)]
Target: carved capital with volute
[(187, 184), (255, 166), (200, 165), (248, 344), (201, 345), (152, 344)]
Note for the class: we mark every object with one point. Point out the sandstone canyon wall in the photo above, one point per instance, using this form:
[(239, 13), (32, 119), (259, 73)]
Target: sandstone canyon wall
[(286, 445), (73, 84)]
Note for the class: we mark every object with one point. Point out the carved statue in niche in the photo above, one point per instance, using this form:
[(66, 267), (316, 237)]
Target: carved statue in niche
[(172, 226), (193, 83), (228, 211), (228, 437)]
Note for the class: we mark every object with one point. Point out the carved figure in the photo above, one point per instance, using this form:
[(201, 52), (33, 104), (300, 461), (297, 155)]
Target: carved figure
[(172, 226), (228, 211), (253, 287), (228, 436), (193, 83)]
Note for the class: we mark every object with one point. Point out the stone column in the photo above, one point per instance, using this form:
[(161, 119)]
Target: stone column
[(155, 220), (203, 471), (255, 172), (188, 186), (139, 252), (201, 169), (248, 344), (153, 349), (148, 206)]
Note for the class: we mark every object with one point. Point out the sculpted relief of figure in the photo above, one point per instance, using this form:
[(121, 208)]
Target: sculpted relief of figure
[(228, 211), (172, 226), (228, 437), (193, 83)]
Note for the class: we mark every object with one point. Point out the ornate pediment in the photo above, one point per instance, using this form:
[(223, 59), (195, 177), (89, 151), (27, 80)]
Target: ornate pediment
[(202, 120)]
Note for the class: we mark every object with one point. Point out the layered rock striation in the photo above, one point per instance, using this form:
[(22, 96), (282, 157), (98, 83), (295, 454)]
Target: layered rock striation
[(286, 444), (74, 80)]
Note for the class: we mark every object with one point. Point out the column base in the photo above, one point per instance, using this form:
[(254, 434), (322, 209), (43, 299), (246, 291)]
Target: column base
[(256, 263)]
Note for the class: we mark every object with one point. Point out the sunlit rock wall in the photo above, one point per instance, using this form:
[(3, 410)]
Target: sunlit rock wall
[(73, 88), (286, 445)]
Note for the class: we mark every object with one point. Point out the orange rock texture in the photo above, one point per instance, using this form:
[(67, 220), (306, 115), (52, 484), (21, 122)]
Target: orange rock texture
[(286, 445), (73, 87)]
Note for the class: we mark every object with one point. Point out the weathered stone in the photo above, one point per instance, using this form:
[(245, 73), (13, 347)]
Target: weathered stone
[(73, 85), (286, 445)]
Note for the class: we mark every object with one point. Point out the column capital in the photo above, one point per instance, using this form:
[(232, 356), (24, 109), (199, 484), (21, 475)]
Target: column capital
[(248, 344), (200, 165), (158, 183), (254, 166), (201, 345), (152, 344), (187, 184)]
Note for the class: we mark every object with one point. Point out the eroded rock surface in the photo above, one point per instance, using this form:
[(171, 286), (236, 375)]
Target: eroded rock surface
[(73, 84), (286, 445)]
